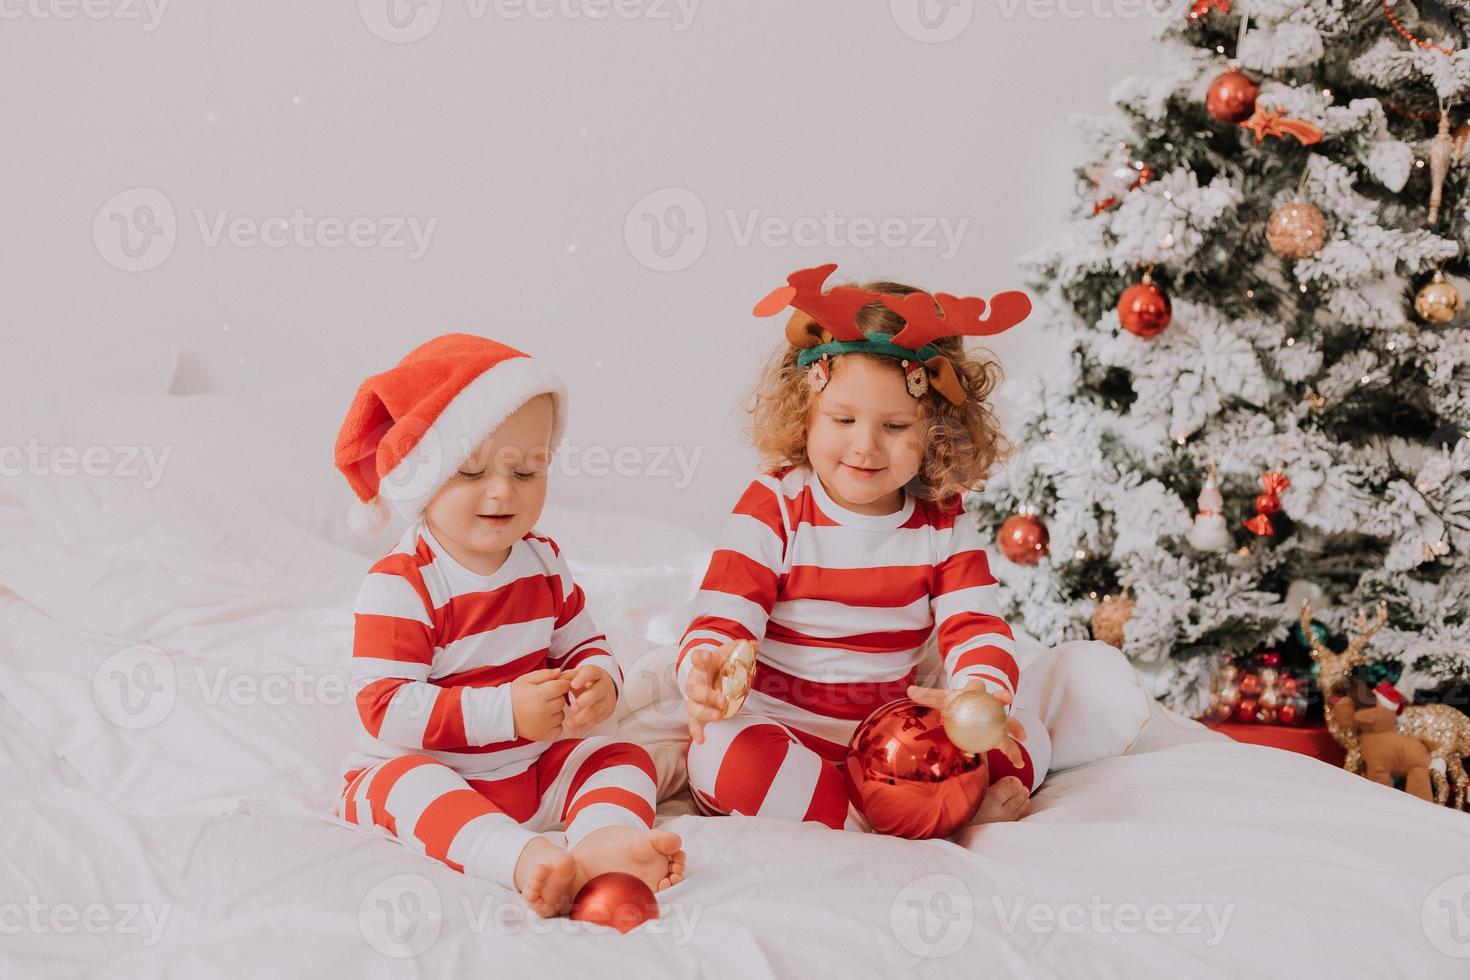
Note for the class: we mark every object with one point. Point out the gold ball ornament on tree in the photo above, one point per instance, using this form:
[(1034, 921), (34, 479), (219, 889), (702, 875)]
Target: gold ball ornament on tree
[(1232, 96), (1296, 230), (1023, 539), (1143, 309), (1110, 618), (975, 721), (1438, 301)]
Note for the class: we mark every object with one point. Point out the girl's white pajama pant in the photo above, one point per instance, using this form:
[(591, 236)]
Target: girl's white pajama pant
[(479, 826)]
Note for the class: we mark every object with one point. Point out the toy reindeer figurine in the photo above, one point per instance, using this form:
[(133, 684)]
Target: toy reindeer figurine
[(1333, 673), (1446, 731)]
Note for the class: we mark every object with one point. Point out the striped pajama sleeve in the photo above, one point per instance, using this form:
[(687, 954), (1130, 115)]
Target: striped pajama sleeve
[(740, 585), (975, 642), (392, 653)]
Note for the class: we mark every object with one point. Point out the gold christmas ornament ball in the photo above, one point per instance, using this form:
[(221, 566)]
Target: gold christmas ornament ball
[(1296, 231), (975, 721), (1108, 620), (1438, 301), (736, 675)]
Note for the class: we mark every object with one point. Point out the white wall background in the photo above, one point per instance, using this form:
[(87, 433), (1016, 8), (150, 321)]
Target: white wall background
[(529, 143)]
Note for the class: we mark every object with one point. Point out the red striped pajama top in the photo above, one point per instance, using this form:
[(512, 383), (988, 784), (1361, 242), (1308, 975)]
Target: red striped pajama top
[(841, 605), (436, 646)]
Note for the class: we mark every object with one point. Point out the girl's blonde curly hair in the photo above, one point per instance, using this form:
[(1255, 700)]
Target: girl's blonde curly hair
[(962, 443)]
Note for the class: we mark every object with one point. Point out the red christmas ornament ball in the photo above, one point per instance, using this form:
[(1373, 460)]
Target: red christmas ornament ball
[(1232, 97), (1023, 539), (615, 899), (1250, 684), (1288, 714), (1144, 309), (907, 778), (1246, 710)]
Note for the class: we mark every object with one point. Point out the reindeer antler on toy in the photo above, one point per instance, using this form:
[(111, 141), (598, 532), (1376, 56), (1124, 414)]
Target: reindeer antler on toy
[(825, 324)]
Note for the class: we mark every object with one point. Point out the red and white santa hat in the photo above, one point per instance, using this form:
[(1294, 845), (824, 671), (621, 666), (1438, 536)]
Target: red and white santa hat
[(1389, 697), (410, 428)]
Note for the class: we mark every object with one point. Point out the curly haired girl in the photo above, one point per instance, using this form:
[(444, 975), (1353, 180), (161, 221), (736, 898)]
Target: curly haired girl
[(852, 550)]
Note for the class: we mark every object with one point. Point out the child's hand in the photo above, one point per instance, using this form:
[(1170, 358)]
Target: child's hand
[(595, 697), (538, 703), (702, 698), (940, 697)]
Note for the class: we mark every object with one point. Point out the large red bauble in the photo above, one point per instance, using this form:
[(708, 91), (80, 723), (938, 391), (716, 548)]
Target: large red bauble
[(615, 899), (1232, 97), (907, 778), (1023, 539), (1250, 684), (1144, 309), (1246, 710)]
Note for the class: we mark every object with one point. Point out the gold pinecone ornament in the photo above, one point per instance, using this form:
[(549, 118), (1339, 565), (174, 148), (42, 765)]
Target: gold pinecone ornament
[(1111, 615)]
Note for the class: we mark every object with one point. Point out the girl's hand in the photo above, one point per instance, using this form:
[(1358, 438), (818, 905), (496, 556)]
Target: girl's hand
[(702, 698), (940, 697), (595, 697), (538, 703)]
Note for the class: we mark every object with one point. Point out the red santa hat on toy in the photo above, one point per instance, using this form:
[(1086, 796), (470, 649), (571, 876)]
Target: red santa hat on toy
[(1389, 697), (410, 428)]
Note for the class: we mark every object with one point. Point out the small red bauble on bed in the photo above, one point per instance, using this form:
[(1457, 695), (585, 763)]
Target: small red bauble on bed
[(615, 899)]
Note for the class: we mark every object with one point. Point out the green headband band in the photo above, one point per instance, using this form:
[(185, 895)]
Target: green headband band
[(875, 343)]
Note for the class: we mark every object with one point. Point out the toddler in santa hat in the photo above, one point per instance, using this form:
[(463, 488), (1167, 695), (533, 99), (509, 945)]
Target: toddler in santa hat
[(479, 668)]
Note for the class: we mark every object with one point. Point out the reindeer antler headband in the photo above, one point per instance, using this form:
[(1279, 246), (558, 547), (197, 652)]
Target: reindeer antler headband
[(825, 324)]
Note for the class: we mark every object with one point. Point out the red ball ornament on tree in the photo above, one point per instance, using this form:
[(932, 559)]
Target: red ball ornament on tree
[(1144, 309), (615, 899), (1023, 539), (1246, 710), (1232, 97), (1288, 714), (907, 778)]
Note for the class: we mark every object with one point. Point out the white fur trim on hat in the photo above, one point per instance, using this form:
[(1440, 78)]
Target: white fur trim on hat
[(464, 423)]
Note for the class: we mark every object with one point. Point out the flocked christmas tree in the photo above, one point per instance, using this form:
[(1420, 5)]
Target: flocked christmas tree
[(1259, 285)]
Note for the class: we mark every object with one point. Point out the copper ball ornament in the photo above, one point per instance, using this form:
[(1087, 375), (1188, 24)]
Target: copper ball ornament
[(1111, 618), (1438, 301), (907, 778), (1144, 309), (615, 899), (1023, 539), (1232, 96), (1296, 230)]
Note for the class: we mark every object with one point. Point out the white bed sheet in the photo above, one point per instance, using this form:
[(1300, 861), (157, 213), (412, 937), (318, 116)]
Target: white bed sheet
[(201, 844)]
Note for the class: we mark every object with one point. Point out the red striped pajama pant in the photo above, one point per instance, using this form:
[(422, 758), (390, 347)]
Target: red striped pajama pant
[(479, 826), (752, 765)]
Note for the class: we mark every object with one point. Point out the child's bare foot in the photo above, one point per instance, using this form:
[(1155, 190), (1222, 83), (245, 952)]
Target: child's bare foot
[(1008, 799), (656, 856), (546, 877)]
